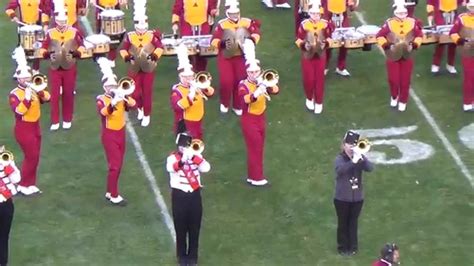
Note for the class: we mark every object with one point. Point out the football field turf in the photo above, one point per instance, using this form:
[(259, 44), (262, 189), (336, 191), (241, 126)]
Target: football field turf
[(426, 206)]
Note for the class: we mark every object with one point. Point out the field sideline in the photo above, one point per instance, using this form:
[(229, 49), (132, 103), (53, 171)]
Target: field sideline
[(424, 203)]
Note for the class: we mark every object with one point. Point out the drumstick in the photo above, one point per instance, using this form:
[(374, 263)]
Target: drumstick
[(21, 23), (99, 7)]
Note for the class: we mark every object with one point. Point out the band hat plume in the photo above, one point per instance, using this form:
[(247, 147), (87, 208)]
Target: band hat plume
[(251, 62), (400, 8), (315, 6), (108, 76), (22, 70), (232, 6), (398, 3), (184, 66), (139, 14), (60, 12)]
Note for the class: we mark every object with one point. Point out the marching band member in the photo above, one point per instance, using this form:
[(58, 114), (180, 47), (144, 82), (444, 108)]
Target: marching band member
[(9, 176), (74, 9), (230, 60), (187, 99), (410, 6), (389, 255), (254, 95), (63, 70), (142, 39), (336, 12), (282, 4), (461, 33), (31, 12), (192, 17), (112, 107), (313, 64), (25, 101), (399, 69), (185, 167), (443, 12)]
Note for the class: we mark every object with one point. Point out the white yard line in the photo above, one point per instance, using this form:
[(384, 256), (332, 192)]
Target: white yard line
[(143, 161), (430, 119)]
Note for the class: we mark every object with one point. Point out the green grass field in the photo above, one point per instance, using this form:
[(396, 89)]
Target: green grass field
[(291, 223)]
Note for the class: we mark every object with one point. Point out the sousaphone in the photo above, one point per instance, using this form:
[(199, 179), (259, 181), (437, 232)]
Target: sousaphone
[(401, 46), (141, 60)]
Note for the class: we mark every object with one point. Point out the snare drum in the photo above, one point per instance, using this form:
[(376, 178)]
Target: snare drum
[(336, 40), (370, 33), (204, 46), (112, 22), (100, 43), (353, 40), (443, 34), (429, 36), (30, 36), (89, 51), (169, 43)]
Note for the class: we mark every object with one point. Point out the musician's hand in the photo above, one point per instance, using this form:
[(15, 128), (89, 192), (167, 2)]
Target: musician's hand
[(75, 54), (414, 45), (115, 100), (45, 28), (175, 28), (356, 157), (47, 55), (28, 93), (153, 57), (214, 12), (15, 19), (187, 155), (128, 58), (461, 41)]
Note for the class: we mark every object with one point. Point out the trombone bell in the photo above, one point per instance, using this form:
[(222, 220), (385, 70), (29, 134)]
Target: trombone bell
[(6, 157), (39, 82), (363, 146), (203, 79), (270, 77), (197, 145), (126, 85)]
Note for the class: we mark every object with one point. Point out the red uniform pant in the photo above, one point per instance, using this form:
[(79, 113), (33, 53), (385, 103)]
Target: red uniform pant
[(468, 84), (439, 48), (253, 129), (313, 78), (28, 136), (231, 72), (399, 78), (297, 16), (341, 58), (199, 62), (143, 93), (67, 80), (194, 128), (114, 147)]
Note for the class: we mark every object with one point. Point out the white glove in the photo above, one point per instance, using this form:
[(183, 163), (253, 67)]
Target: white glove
[(115, 101), (28, 94), (2, 198), (187, 155), (259, 91), (356, 157), (192, 92)]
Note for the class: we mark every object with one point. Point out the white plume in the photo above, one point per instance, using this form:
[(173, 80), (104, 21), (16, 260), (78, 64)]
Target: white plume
[(139, 9), (59, 6), (20, 57), (106, 68), (249, 50), (182, 54), (231, 2)]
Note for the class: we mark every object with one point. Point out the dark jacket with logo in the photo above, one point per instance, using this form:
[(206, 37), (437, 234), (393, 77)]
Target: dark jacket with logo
[(349, 185)]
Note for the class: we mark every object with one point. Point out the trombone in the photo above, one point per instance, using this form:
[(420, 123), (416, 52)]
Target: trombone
[(197, 146), (202, 82), (126, 86), (269, 78), (6, 157), (38, 82), (362, 146)]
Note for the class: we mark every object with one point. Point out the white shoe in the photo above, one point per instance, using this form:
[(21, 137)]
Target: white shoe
[(393, 102), (318, 108), (119, 201), (107, 195), (224, 109), (238, 112), (34, 189), (451, 69), (310, 105), (61, 90), (467, 107), (54, 127), (326, 71), (67, 125), (257, 183), (283, 6), (434, 69), (145, 121), (140, 114), (343, 72), (402, 107), (268, 3)]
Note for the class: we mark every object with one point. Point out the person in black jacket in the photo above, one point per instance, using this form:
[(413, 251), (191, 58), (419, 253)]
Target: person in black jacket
[(349, 193)]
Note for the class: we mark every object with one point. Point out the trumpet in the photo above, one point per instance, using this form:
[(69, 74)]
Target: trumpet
[(38, 82), (126, 86), (202, 82), (197, 146), (269, 78), (362, 146), (6, 157)]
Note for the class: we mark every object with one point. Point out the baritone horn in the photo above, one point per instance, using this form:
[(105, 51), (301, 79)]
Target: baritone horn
[(269, 78), (6, 156), (363, 146), (197, 145), (202, 81), (38, 82), (126, 86)]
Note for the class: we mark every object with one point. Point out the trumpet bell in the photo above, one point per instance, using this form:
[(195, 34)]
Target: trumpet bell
[(270, 77), (363, 146), (203, 79), (39, 82), (197, 145), (126, 85), (6, 156)]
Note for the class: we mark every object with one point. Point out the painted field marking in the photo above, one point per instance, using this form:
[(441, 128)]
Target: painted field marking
[(143, 161), (431, 121), (466, 135)]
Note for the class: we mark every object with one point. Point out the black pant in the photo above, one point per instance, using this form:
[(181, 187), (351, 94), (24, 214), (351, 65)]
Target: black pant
[(187, 214), (6, 217), (347, 216)]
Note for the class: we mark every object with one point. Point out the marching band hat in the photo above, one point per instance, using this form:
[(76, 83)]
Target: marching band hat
[(186, 70), (351, 137), (109, 81), (141, 22), (399, 8), (183, 139), (22, 72)]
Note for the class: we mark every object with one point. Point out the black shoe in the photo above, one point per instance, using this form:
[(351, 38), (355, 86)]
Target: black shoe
[(192, 262), (342, 252), (353, 252)]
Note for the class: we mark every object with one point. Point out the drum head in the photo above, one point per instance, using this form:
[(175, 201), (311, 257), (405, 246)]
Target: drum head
[(368, 29), (98, 38), (31, 28), (169, 41), (112, 13)]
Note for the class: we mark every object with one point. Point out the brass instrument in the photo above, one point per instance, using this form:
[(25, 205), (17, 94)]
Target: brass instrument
[(316, 41), (202, 81), (141, 59), (126, 86), (362, 146), (38, 82), (236, 39), (6, 156), (269, 78), (400, 47), (197, 146)]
